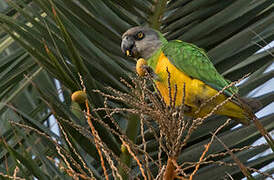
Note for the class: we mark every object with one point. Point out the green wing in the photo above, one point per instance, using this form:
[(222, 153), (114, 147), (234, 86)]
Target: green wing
[(194, 62)]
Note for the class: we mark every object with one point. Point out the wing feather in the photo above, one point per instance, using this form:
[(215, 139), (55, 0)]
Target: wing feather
[(194, 62)]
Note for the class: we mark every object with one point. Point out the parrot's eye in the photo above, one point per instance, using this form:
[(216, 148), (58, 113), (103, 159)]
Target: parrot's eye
[(140, 35)]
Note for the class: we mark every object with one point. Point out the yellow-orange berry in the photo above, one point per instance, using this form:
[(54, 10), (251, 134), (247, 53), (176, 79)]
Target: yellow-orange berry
[(79, 97), (139, 67)]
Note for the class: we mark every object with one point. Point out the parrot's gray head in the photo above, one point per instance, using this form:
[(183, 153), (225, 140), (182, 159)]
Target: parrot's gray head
[(140, 42)]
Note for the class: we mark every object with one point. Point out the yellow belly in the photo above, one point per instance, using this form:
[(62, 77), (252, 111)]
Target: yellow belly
[(196, 92)]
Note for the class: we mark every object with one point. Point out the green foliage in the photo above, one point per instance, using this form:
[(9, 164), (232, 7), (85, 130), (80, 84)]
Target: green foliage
[(84, 37)]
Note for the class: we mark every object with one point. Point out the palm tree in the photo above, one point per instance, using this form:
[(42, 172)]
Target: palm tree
[(50, 49)]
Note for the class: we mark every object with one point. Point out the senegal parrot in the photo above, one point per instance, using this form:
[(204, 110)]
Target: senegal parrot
[(189, 69)]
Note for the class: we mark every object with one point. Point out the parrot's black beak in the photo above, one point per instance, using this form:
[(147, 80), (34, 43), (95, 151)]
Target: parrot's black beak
[(128, 46)]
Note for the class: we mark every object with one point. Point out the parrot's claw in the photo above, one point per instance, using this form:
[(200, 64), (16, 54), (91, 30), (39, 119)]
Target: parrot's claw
[(151, 73)]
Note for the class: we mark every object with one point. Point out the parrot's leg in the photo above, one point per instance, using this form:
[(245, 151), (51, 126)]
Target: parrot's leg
[(185, 109)]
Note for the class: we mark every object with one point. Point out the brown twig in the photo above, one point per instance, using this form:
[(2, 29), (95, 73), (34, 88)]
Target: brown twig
[(136, 159), (60, 150), (170, 169), (96, 139), (206, 149), (239, 163), (145, 146), (75, 152), (11, 177)]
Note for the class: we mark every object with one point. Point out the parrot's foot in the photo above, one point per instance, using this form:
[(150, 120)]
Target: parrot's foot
[(150, 72)]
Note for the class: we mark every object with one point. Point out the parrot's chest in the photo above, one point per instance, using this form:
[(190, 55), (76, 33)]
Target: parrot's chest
[(175, 84)]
